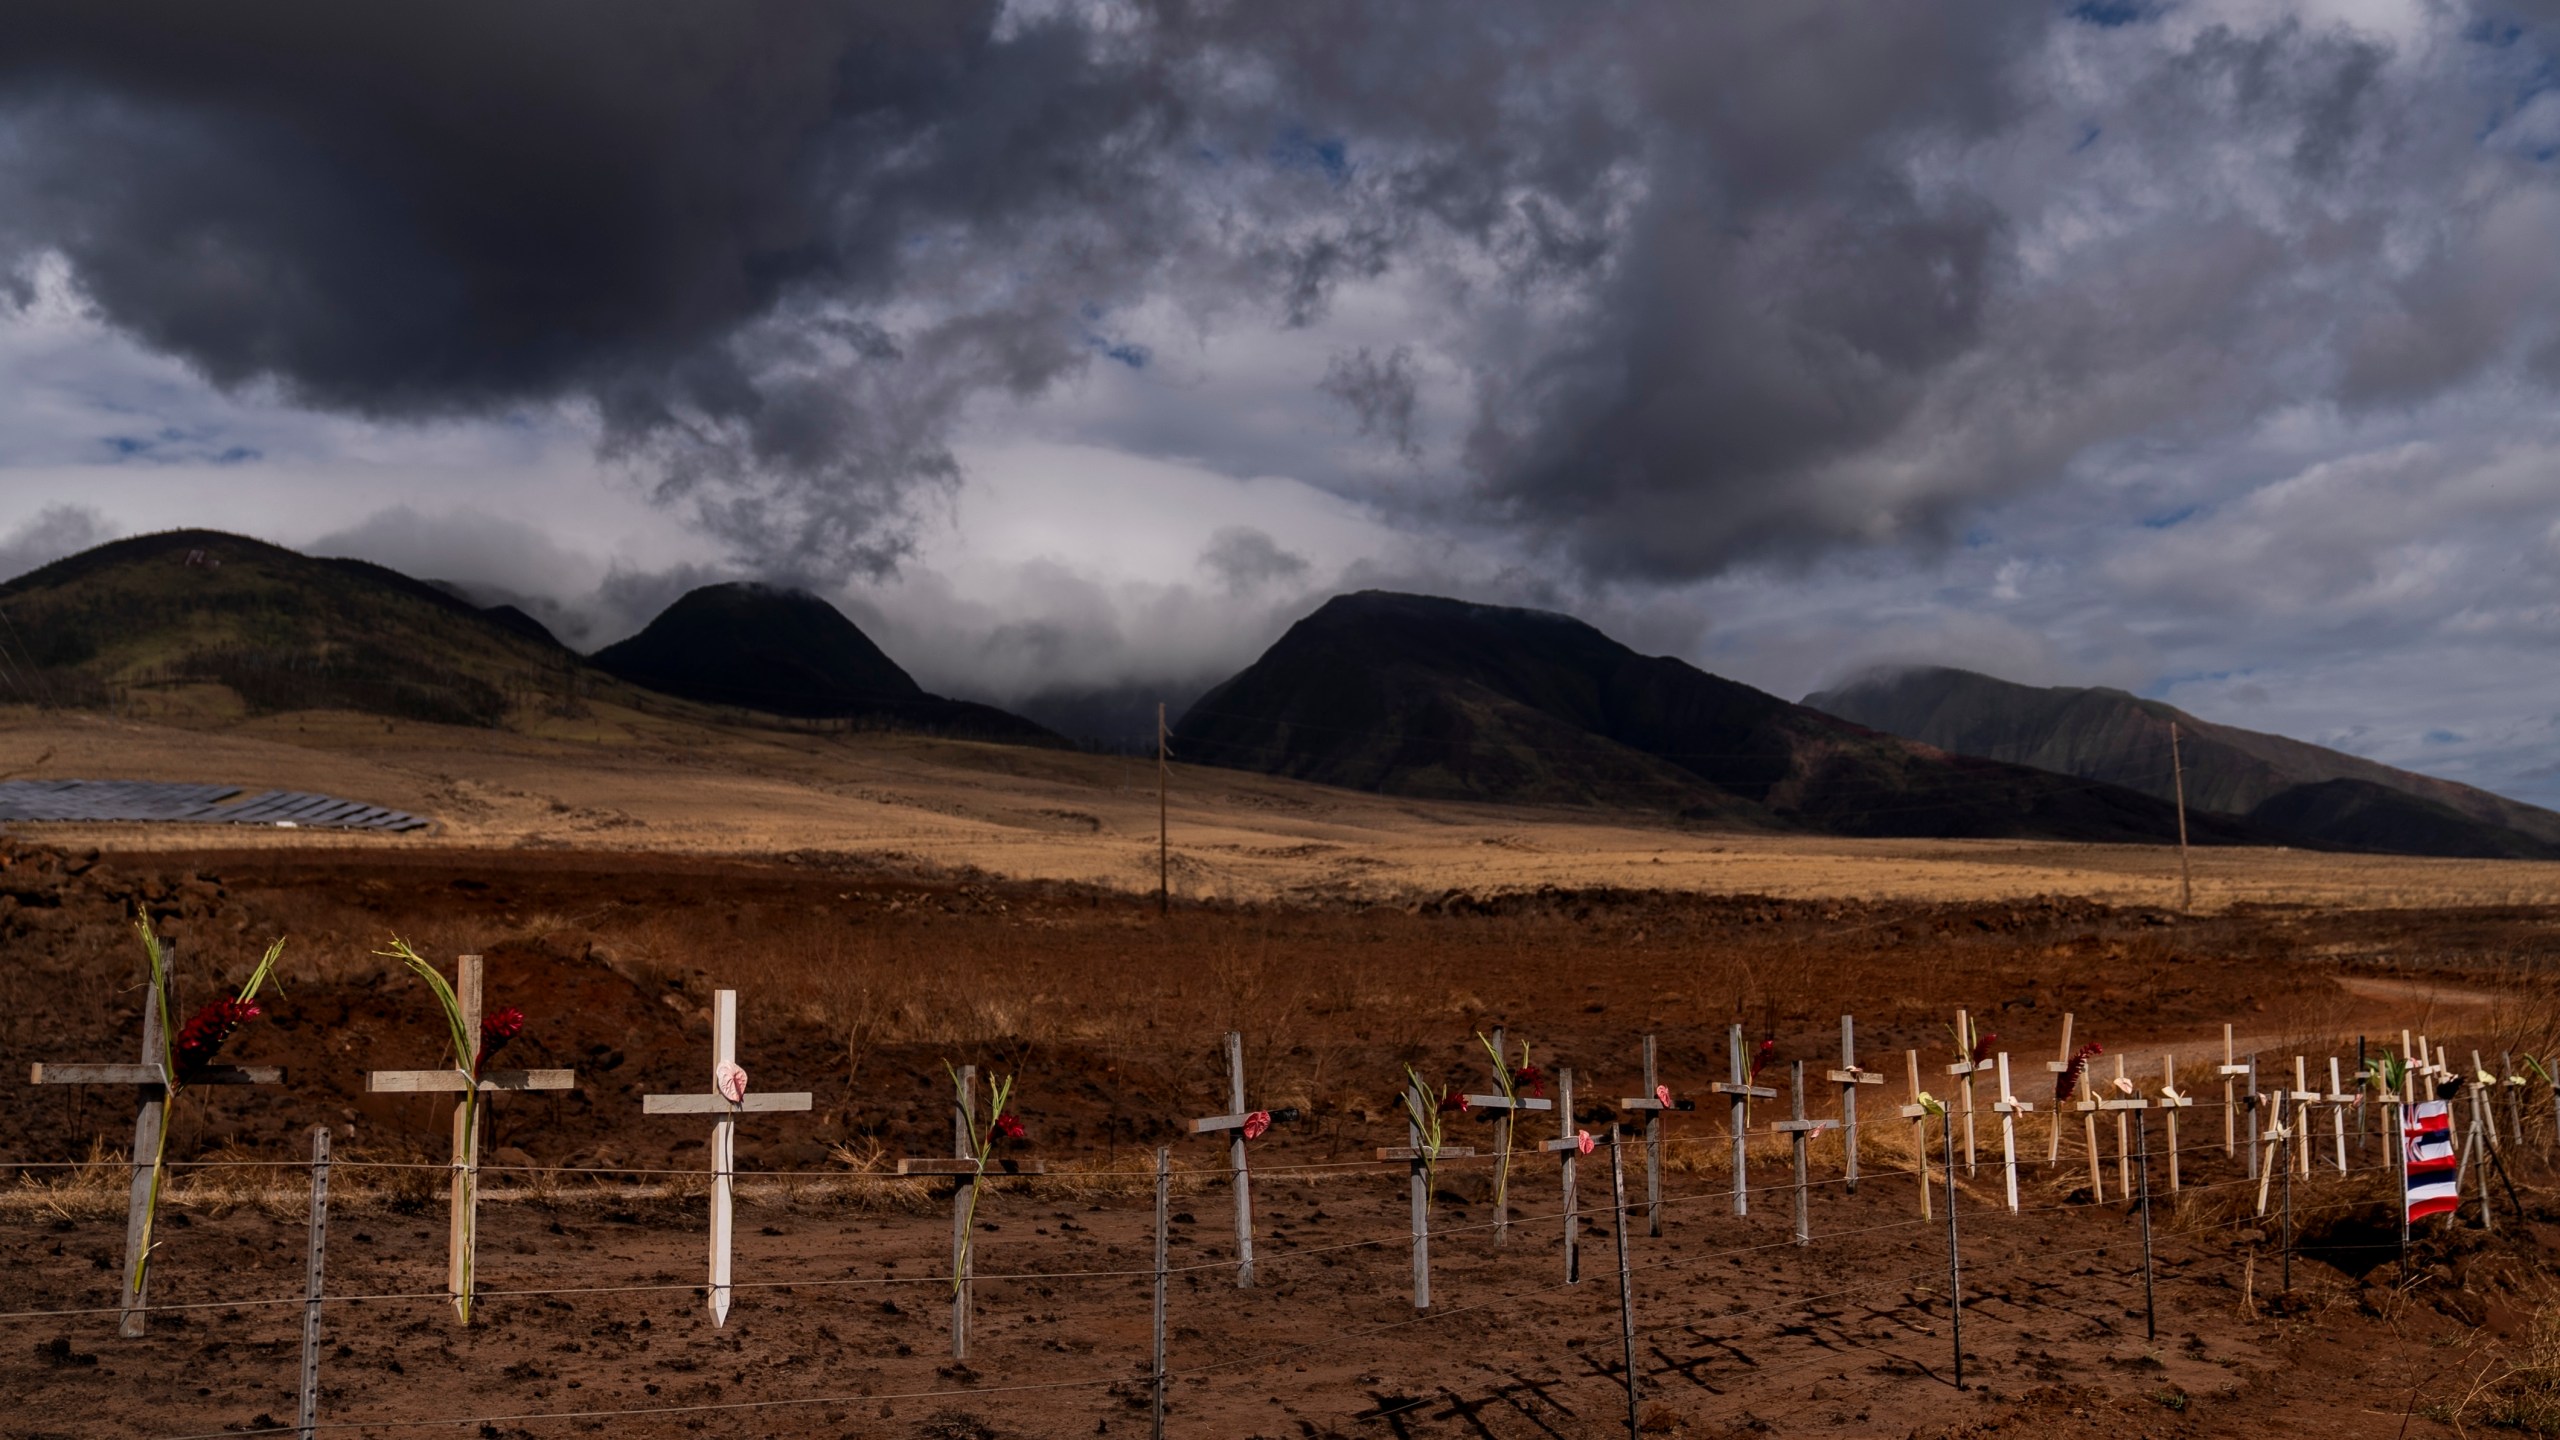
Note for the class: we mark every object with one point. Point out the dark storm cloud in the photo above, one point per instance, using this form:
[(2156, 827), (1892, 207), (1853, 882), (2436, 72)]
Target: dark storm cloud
[(1720, 283)]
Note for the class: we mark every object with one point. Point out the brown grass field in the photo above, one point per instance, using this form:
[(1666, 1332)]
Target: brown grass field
[(888, 905)]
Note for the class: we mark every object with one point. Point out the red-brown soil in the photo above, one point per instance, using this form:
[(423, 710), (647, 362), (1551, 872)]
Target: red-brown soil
[(859, 984)]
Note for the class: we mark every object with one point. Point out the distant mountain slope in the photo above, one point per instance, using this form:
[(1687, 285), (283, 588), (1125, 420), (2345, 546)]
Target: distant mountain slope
[(2305, 793), (206, 612), (787, 652), (1416, 695)]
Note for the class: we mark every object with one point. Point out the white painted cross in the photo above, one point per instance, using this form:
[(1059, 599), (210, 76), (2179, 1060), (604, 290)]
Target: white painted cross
[(1240, 1126), (2010, 1107), (1800, 1129), (1503, 1108), (728, 1100), (1656, 1100), (1849, 1077), (1741, 1091), (150, 1080), (465, 1079), (1571, 1144)]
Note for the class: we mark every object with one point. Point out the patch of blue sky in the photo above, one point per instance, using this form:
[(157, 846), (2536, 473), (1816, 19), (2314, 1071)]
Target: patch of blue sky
[(2168, 519), (2445, 737), (2112, 14), (1296, 149), (2090, 130)]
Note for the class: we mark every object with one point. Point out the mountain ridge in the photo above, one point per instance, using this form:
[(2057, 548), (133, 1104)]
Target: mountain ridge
[(1438, 698), (2103, 733)]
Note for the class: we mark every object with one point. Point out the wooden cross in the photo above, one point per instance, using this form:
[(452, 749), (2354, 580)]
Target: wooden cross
[(1800, 1129), (2122, 1104), (2124, 1136), (2059, 1065), (2231, 1070), (465, 1079), (1963, 1069), (1420, 1158), (2514, 1083), (1918, 1115), (1235, 1123), (2276, 1133), (965, 1167), (1742, 1091), (728, 1100), (2010, 1107), (1656, 1099), (2304, 1097), (151, 1086), (2172, 1101), (1502, 1107), (2488, 1107), (2088, 1108), (2339, 1099), (1571, 1144), (2250, 1071), (1849, 1077)]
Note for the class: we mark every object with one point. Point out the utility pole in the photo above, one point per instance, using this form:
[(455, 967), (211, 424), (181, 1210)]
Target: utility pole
[(1164, 890), (2178, 780)]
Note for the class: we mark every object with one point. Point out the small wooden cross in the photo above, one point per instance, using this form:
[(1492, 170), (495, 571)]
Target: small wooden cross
[(1421, 1158), (1502, 1108), (1236, 1123), (965, 1168), (2124, 1129), (1964, 1069), (2231, 1070), (1800, 1129), (2123, 1103), (462, 1221), (2338, 1099), (1849, 1077), (1918, 1115), (2009, 1108), (2088, 1108), (1742, 1092), (2058, 1065), (2488, 1106), (2304, 1097), (151, 1087), (2173, 1101), (1571, 1144), (1656, 1099), (728, 1100), (2275, 1134)]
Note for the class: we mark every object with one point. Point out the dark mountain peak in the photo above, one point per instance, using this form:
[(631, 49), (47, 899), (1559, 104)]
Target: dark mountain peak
[(788, 652), (763, 648)]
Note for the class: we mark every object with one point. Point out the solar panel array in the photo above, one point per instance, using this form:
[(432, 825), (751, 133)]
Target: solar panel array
[(192, 804)]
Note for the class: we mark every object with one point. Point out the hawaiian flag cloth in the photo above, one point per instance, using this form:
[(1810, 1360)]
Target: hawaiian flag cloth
[(2432, 1167)]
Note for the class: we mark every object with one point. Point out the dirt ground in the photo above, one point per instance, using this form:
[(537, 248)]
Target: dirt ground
[(862, 975)]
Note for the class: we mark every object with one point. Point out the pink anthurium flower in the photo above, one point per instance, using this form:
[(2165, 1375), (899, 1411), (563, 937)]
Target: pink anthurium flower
[(1583, 1142), (731, 1082), (1256, 1123)]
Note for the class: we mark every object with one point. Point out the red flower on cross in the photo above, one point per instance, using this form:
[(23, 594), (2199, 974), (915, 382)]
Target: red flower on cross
[(205, 1031), (1009, 1127)]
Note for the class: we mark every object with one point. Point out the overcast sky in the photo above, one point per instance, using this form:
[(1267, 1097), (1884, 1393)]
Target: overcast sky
[(2205, 349)]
